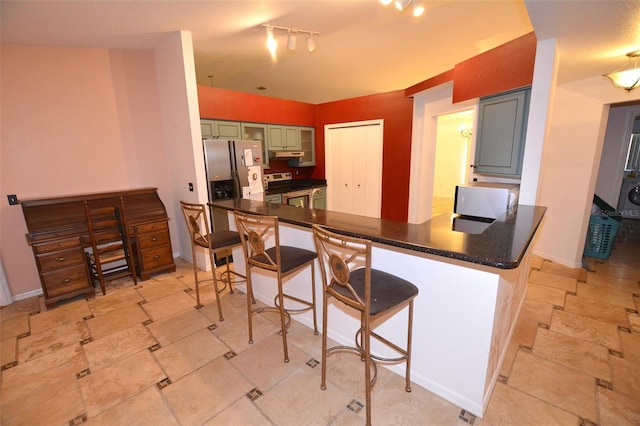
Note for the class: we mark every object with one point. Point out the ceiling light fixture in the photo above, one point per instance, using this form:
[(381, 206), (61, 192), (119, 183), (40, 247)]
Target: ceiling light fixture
[(272, 43), (401, 5), (627, 77)]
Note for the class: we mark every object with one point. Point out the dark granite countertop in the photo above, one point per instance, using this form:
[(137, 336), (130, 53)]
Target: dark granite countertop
[(501, 245), (297, 185)]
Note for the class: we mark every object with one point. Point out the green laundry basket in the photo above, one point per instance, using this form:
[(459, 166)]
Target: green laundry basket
[(600, 235)]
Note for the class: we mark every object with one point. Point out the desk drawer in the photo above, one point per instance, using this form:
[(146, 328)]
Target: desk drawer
[(154, 239), (60, 259), (57, 245), (148, 228), (65, 280), (156, 258)]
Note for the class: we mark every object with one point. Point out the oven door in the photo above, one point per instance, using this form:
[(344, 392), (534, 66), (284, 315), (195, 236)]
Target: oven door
[(298, 198)]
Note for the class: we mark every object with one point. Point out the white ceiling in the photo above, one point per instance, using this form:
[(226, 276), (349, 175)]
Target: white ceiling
[(363, 47)]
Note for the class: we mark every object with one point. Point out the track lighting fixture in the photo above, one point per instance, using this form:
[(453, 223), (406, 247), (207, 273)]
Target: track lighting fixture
[(401, 5), (272, 43)]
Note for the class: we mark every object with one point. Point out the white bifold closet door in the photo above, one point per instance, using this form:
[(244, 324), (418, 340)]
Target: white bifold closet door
[(353, 165)]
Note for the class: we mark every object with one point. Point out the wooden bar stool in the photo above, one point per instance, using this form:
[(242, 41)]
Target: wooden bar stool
[(345, 264), (283, 260), (214, 242)]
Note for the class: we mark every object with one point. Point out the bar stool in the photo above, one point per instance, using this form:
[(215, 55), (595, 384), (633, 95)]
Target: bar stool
[(214, 242), (345, 264), (283, 260)]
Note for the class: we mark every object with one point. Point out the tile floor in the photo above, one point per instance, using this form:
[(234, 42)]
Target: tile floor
[(144, 356)]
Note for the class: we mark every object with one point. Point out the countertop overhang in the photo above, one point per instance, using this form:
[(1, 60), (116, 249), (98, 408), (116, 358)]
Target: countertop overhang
[(502, 245)]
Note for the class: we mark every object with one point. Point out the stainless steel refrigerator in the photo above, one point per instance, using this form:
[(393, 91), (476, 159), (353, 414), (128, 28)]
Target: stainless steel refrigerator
[(234, 170)]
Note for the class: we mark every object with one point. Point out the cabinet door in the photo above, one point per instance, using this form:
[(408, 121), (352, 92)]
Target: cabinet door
[(502, 123), (283, 138), (207, 127), (220, 129), (257, 132), (308, 146)]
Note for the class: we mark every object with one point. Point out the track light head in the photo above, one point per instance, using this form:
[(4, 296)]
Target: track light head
[(311, 45)]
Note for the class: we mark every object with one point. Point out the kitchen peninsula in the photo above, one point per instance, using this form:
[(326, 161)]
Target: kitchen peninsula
[(472, 284)]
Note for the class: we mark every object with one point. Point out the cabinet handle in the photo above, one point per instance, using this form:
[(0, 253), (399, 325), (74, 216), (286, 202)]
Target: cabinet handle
[(156, 257), (66, 280), (473, 166), (154, 239), (61, 258)]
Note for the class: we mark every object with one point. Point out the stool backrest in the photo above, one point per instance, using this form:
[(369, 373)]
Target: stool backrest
[(196, 217), (255, 232), (339, 255)]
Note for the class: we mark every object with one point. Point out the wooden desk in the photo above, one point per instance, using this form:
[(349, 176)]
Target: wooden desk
[(58, 235)]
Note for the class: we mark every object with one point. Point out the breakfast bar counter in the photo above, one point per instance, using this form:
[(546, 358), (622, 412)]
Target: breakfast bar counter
[(471, 278)]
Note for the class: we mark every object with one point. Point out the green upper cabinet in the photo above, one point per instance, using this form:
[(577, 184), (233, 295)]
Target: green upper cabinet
[(502, 128), (308, 146), (283, 138), (220, 129)]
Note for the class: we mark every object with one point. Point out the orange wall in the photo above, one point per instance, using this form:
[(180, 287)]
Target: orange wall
[(397, 112)]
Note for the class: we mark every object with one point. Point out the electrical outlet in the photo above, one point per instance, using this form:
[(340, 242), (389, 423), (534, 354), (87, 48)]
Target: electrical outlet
[(190, 187), (13, 199)]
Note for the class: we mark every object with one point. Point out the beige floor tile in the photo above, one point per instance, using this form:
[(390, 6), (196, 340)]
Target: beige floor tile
[(174, 328), (233, 306), (145, 408), (100, 305), (20, 308), (14, 326), (626, 377), (574, 353), (586, 329), (155, 289), (614, 283), (295, 401), (206, 392), (524, 334), (392, 405), (510, 406), (103, 352), (606, 295), (263, 364), (555, 384), (634, 320), (536, 262), (40, 408), (552, 280), (109, 386), (631, 347), (184, 356), (117, 320), (51, 340), (169, 305), (235, 332), (596, 309), (40, 373), (64, 314), (536, 310), (8, 351), (617, 410), (242, 413), (304, 338), (558, 269), (345, 370), (554, 296)]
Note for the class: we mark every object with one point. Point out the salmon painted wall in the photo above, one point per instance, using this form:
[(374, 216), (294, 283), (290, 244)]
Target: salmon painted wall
[(397, 112), (91, 123)]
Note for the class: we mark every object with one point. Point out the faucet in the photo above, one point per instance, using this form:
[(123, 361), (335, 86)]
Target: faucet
[(314, 191)]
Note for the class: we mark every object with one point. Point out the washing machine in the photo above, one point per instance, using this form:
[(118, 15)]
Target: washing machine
[(629, 203)]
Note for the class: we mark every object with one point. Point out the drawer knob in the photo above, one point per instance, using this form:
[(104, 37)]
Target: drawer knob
[(156, 257), (61, 258), (66, 280), (154, 239)]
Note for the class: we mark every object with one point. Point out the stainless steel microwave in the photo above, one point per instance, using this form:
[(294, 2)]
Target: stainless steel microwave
[(486, 199)]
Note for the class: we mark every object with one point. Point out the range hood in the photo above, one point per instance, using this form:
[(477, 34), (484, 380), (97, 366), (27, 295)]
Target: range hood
[(285, 155)]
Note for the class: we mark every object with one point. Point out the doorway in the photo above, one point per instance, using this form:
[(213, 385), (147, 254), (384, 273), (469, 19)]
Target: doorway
[(452, 158)]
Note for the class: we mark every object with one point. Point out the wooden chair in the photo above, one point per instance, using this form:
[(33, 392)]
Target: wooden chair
[(222, 241), (345, 264), (110, 257), (255, 231)]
